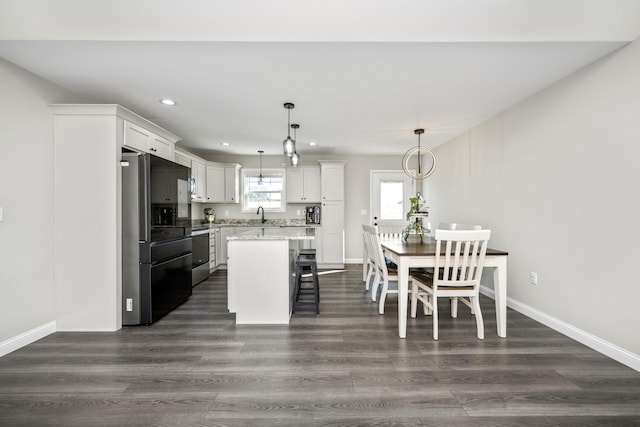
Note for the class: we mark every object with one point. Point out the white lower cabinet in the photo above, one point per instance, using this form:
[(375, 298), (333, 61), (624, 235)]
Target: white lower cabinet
[(214, 237), (331, 239)]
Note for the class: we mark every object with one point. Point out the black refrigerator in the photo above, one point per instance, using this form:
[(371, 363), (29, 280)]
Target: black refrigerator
[(156, 237)]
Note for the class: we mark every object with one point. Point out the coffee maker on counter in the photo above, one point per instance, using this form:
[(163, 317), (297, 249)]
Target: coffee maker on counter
[(312, 215)]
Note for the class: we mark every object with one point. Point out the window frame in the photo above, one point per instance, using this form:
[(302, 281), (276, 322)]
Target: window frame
[(255, 172)]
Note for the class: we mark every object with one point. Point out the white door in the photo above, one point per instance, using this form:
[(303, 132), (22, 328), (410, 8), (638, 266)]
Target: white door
[(390, 193)]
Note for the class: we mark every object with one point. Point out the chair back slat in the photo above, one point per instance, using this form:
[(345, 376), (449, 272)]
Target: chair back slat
[(462, 261)]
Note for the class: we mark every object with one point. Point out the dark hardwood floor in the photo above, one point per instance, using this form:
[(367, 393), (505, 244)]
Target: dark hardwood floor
[(345, 367)]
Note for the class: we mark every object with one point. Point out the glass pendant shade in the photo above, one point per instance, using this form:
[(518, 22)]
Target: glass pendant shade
[(295, 159), (289, 146)]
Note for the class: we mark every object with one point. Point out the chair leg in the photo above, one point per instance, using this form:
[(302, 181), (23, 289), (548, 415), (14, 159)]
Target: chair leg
[(414, 300), (454, 307), (383, 296), (425, 307), (434, 304), (479, 321), (369, 276), (375, 286)]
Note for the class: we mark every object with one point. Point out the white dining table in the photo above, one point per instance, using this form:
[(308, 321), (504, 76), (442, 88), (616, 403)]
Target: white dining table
[(408, 255)]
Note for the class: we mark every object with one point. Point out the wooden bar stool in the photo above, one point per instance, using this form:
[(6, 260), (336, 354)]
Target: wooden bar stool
[(306, 261)]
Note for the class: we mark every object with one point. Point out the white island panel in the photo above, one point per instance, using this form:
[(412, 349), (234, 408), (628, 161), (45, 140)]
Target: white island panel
[(258, 281)]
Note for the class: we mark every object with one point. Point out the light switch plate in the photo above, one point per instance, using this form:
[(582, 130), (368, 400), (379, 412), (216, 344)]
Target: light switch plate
[(1, 214)]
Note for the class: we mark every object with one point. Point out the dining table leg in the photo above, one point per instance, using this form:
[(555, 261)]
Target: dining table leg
[(500, 291), (403, 295)]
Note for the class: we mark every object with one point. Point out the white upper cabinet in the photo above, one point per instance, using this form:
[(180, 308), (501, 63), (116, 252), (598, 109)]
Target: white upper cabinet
[(303, 184), (199, 181), (232, 183), (332, 180), (215, 184), (144, 140), (181, 159)]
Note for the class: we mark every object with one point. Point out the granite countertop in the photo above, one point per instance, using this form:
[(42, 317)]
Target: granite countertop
[(275, 233), (272, 223)]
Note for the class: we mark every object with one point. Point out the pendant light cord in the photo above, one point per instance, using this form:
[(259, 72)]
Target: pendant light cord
[(419, 159)]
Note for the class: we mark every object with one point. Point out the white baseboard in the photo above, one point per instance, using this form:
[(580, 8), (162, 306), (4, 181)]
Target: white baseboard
[(608, 349), (26, 338)]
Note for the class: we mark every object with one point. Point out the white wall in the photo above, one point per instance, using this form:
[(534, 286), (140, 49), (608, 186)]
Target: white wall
[(556, 178), (27, 197)]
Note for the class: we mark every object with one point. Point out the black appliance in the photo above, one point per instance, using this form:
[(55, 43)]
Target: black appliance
[(156, 237), (312, 214), (200, 255)]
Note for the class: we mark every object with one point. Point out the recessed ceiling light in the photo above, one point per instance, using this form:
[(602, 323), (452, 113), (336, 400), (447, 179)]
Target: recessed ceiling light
[(225, 144), (168, 101), (312, 143)]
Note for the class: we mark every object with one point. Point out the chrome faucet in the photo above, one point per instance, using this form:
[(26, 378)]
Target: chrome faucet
[(258, 213)]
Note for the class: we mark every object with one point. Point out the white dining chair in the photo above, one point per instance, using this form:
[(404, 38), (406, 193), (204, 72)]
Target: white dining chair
[(459, 260), (456, 226), (368, 270), (382, 272)]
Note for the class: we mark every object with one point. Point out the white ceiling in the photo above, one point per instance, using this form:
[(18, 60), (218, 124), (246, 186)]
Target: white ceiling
[(363, 74)]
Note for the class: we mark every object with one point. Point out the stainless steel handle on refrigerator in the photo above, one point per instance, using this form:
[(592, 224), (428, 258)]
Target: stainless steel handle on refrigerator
[(143, 182)]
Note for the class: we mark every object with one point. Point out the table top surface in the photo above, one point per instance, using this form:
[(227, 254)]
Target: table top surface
[(427, 248)]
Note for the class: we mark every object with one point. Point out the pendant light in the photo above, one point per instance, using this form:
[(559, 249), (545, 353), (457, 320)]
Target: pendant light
[(295, 158), (419, 150), (289, 145), (260, 178)]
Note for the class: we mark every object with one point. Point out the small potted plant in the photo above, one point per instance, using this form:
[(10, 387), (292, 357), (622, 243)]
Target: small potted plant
[(414, 216)]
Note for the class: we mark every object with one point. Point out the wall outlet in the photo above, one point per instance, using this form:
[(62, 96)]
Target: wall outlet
[(298, 212), (363, 211), (129, 304), (226, 212), (533, 278)]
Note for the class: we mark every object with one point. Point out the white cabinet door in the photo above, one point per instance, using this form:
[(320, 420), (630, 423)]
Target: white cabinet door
[(295, 185), (303, 185), (161, 147), (181, 159), (136, 137), (199, 179), (231, 184), (141, 139), (332, 181), (332, 233), (312, 185), (215, 184)]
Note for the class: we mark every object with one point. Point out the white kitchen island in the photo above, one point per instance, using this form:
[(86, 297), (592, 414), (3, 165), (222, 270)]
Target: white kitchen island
[(260, 273)]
